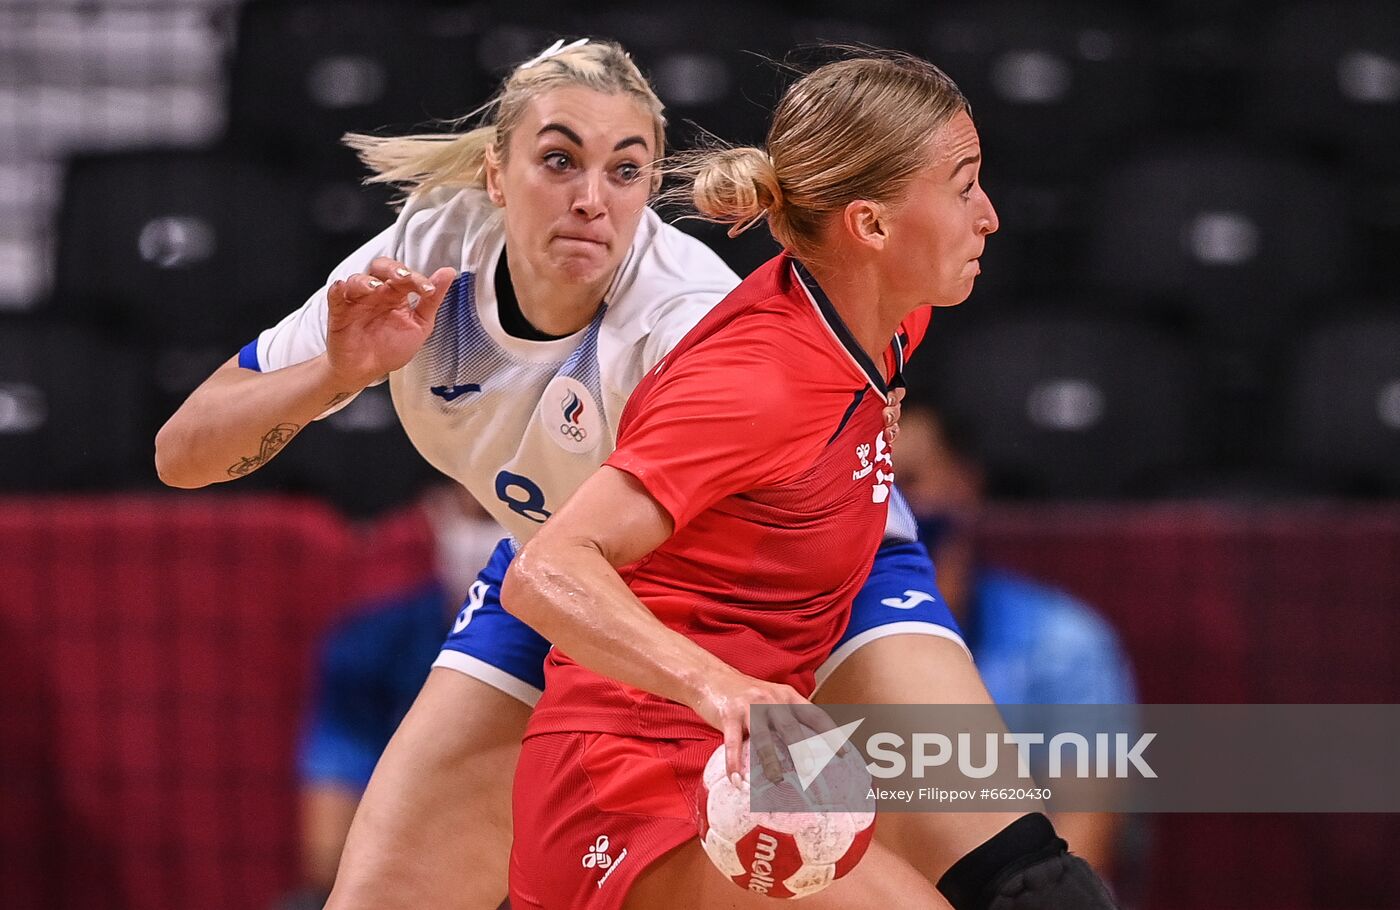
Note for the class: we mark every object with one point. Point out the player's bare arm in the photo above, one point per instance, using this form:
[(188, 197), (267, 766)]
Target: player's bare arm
[(239, 419), (565, 584)]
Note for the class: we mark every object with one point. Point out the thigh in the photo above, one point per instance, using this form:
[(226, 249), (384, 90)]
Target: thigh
[(608, 822), (434, 827), (918, 669), (899, 598), (489, 644)]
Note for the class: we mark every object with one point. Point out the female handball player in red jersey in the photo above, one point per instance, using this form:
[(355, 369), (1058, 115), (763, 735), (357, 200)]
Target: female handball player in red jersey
[(712, 561)]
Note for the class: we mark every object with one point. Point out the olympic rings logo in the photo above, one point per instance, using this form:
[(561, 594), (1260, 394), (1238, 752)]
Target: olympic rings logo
[(577, 434)]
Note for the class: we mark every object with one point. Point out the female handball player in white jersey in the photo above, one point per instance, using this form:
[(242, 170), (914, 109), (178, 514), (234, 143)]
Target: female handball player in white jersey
[(520, 296)]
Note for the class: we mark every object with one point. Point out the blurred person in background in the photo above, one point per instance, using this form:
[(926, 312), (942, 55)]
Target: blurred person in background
[(369, 670), (1033, 644)]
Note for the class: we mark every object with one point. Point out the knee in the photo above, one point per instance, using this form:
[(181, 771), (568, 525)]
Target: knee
[(1025, 866)]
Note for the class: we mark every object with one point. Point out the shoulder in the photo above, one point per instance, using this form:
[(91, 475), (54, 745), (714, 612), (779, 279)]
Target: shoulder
[(441, 227), (730, 384), (1066, 651), (1056, 620), (667, 273)]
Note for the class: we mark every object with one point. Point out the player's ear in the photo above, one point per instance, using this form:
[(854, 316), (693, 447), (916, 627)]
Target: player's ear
[(492, 167), (863, 221)]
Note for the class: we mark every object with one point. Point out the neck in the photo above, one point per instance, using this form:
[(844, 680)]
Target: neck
[(856, 294), (554, 308)]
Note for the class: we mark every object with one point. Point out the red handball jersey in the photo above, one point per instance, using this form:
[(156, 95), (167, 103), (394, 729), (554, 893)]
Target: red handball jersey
[(761, 434)]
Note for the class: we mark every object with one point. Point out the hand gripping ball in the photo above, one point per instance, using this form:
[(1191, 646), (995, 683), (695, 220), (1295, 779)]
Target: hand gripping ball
[(782, 853)]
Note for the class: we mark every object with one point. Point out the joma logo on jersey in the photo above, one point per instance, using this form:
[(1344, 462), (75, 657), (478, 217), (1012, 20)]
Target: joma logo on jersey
[(452, 392), (880, 486)]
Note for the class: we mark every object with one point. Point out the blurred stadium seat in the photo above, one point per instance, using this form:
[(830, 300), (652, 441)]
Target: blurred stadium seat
[(710, 63), (306, 72), (1329, 80), (72, 410), (1055, 88), (108, 77), (874, 24), (189, 245), (358, 458), (1238, 241), (29, 192), (1067, 406), (1341, 420), (343, 214)]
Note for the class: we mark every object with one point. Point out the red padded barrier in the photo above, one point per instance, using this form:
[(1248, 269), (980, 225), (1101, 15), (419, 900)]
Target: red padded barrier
[(1262, 604), (156, 650), (162, 647)]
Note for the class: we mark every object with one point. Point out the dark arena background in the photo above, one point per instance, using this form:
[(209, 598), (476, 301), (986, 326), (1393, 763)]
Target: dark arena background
[(1183, 354)]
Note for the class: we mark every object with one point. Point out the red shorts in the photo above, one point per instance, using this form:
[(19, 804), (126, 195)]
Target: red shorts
[(593, 810)]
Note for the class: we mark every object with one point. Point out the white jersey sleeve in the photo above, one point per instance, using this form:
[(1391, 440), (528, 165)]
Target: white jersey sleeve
[(666, 287), (427, 235)]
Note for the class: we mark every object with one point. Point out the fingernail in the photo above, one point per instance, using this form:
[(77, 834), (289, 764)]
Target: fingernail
[(375, 282), (429, 289), (735, 779), (412, 299), (402, 273)]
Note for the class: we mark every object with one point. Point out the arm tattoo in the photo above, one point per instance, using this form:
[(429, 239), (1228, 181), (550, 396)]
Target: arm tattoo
[(339, 397), (272, 443)]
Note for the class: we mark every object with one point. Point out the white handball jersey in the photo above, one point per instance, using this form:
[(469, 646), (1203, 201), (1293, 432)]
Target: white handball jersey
[(519, 423)]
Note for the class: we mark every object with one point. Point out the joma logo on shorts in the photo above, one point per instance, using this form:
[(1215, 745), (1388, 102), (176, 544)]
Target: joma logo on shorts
[(767, 848)]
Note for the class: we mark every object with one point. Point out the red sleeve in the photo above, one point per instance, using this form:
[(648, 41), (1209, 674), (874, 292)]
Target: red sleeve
[(716, 422)]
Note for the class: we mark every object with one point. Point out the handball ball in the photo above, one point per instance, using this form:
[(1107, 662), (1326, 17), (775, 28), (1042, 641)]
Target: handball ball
[(780, 854)]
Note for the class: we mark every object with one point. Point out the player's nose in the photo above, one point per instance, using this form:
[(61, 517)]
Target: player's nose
[(588, 195)]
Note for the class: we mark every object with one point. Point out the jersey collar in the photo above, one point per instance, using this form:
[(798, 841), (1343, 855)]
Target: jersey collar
[(843, 335)]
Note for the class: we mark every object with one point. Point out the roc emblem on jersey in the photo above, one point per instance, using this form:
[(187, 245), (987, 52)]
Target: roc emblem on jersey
[(571, 415)]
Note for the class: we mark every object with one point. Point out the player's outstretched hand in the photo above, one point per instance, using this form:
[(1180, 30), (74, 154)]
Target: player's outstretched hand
[(377, 321), (724, 704)]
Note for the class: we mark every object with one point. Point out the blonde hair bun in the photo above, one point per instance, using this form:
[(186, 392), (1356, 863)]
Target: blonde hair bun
[(737, 186)]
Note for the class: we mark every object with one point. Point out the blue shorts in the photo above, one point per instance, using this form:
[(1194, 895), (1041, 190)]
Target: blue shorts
[(899, 598)]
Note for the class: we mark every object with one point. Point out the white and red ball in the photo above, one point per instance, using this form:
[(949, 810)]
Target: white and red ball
[(780, 854)]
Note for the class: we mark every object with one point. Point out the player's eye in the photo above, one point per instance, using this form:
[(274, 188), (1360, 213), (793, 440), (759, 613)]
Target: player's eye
[(557, 161), (628, 171)]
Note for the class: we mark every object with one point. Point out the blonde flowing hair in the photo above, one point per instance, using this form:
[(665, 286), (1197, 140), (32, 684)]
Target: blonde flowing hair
[(425, 161)]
